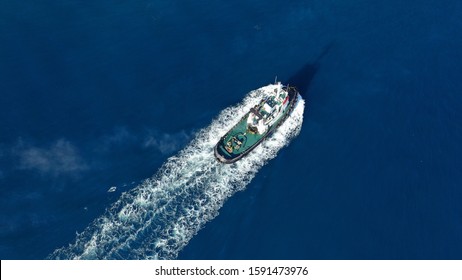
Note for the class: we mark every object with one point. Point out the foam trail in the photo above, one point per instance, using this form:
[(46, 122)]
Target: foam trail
[(156, 219)]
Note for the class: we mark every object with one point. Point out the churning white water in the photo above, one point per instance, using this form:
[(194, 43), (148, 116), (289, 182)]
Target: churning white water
[(156, 219)]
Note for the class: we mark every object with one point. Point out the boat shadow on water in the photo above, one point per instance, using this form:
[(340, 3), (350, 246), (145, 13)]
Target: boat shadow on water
[(303, 78)]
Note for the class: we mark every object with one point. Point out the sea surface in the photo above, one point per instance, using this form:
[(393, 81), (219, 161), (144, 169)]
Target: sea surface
[(103, 94)]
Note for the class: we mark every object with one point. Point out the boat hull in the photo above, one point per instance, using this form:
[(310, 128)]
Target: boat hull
[(225, 156)]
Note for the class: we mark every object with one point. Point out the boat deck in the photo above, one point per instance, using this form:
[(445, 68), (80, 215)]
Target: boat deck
[(240, 140)]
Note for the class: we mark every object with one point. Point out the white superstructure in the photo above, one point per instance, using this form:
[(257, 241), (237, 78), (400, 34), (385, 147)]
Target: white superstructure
[(269, 110)]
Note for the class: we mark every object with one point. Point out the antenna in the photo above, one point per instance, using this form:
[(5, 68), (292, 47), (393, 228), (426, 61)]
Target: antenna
[(276, 79)]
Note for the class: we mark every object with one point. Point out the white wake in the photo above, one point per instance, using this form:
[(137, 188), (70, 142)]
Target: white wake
[(156, 219)]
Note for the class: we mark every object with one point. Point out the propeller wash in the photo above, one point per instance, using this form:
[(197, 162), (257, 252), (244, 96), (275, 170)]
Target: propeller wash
[(156, 219)]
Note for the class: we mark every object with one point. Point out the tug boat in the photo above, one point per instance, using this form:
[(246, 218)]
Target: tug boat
[(257, 124)]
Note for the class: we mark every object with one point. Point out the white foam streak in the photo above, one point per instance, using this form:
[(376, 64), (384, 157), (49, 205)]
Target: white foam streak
[(157, 219)]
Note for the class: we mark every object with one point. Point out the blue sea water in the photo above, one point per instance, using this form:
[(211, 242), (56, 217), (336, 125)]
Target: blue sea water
[(94, 95)]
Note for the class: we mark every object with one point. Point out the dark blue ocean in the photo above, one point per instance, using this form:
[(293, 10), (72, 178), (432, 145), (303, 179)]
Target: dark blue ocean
[(95, 94)]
